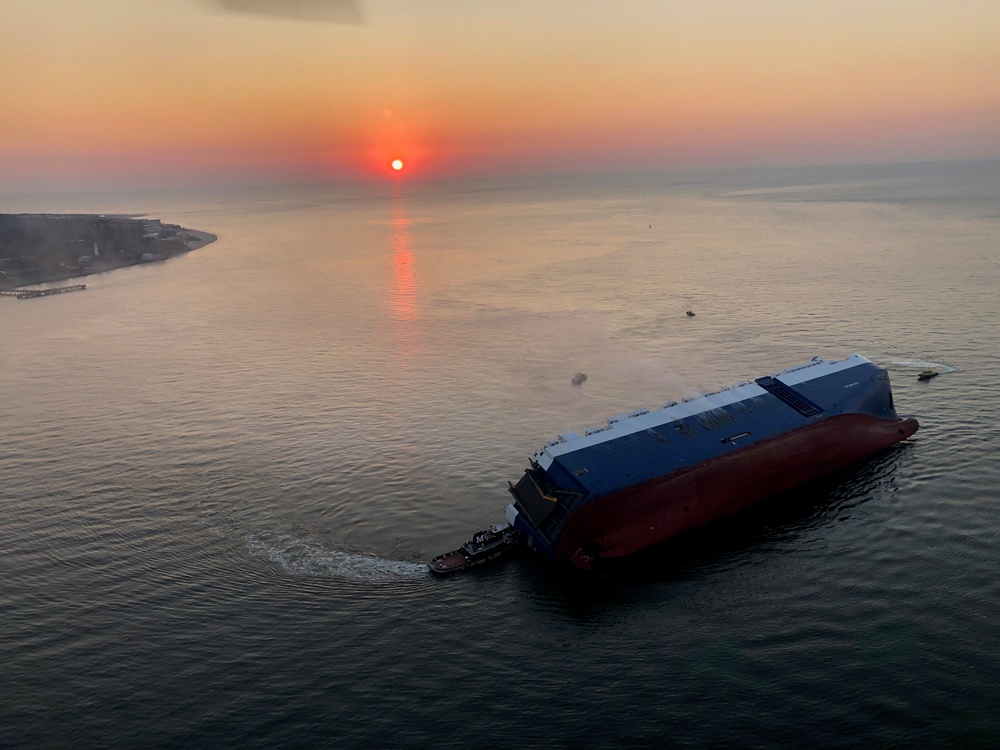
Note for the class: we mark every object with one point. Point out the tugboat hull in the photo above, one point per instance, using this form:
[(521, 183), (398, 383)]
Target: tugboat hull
[(484, 546)]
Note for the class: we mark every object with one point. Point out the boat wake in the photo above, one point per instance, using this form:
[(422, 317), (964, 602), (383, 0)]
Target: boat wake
[(301, 558), (919, 364)]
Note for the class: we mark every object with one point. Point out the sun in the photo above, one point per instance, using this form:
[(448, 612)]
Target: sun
[(397, 164)]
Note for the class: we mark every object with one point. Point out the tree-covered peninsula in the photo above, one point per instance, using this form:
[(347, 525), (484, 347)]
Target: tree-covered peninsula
[(36, 248)]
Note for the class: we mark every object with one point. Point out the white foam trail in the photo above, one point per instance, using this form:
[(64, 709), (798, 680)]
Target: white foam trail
[(919, 364), (298, 557)]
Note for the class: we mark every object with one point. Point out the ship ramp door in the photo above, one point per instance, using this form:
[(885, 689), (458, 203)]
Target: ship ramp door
[(532, 499)]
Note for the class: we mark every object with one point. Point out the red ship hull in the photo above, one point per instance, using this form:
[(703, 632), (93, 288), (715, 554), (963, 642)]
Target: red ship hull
[(642, 515)]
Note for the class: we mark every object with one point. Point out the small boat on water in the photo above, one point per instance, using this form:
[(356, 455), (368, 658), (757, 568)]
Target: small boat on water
[(484, 545), (927, 374)]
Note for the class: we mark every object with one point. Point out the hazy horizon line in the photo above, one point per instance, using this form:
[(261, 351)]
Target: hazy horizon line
[(88, 187)]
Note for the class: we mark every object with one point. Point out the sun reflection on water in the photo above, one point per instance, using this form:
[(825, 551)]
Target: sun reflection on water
[(403, 292), (403, 300)]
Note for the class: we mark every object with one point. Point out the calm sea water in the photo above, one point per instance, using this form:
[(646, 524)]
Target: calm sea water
[(221, 475)]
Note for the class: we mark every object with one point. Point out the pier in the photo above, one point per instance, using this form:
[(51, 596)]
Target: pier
[(32, 293)]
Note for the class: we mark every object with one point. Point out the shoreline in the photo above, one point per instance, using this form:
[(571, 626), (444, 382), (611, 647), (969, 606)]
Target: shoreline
[(192, 239)]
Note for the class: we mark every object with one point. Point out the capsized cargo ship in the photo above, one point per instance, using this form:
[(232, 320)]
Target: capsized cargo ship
[(650, 475)]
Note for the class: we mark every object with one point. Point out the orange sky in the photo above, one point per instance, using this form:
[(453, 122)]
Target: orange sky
[(176, 90)]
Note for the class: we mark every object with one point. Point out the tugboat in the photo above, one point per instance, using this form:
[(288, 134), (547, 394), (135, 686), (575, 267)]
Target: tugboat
[(484, 545), (927, 374)]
